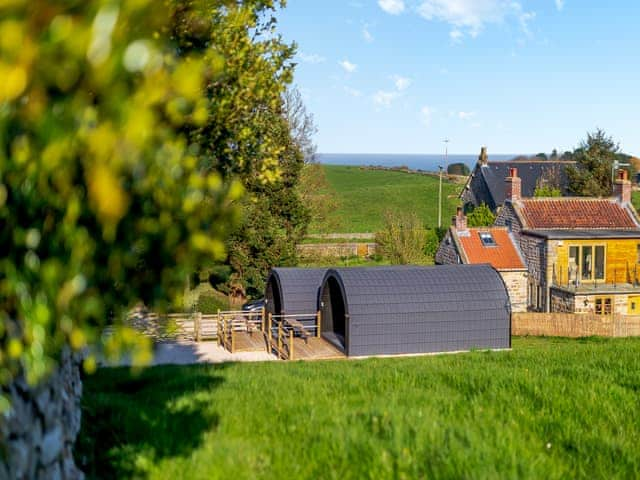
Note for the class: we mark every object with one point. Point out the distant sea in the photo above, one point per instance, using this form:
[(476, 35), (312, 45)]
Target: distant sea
[(428, 162)]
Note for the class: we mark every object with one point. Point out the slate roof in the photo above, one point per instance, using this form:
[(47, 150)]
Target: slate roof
[(575, 213), (494, 174), (504, 255), (410, 309), (298, 288)]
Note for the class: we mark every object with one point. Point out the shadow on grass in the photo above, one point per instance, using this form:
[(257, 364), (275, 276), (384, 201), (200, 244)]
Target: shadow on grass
[(131, 421)]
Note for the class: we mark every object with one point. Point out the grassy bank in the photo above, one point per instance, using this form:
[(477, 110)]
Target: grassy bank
[(364, 195), (551, 408)]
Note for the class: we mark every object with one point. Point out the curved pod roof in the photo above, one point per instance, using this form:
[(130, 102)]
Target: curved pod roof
[(293, 291), (405, 309)]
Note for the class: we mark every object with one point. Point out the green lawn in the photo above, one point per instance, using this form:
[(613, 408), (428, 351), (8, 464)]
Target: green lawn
[(364, 195), (550, 408), (635, 200)]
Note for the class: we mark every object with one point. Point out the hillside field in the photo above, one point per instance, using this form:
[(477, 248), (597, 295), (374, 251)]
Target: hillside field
[(363, 196), (549, 408)]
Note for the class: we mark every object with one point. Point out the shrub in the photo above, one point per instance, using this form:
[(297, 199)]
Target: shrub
[(403, 239), (480, 216)]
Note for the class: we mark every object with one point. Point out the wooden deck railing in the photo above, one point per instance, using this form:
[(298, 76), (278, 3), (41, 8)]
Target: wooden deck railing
[(282, 330), (231, 323)]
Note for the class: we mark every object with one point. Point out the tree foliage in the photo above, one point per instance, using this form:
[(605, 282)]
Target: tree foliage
[(458, 169), (547, 191), (480, 216), (591, 176), (122, 125), (403, 239)]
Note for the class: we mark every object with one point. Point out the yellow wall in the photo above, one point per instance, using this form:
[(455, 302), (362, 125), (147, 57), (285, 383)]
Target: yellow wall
[(620, 258)]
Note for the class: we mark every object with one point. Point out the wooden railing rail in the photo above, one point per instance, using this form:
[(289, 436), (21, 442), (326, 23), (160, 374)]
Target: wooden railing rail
[(282, 330)]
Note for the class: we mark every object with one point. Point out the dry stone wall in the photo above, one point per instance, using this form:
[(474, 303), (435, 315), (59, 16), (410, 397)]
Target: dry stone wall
[(38, 433)]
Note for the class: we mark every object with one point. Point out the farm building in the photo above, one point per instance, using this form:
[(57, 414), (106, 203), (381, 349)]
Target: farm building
[(293, 291), (409, 310)]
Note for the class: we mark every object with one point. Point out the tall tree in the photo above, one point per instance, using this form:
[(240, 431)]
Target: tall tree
[(591, 176), (122, 128)]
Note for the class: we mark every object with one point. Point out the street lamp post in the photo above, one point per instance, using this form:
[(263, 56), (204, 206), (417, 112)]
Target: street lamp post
[(446, 162), (440, 199)]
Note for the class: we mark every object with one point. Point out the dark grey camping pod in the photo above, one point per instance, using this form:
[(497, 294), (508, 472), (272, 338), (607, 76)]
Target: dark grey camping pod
[(293, 291), (404, 309)]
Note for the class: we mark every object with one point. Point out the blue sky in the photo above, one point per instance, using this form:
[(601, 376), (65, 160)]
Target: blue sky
[(399, 76)]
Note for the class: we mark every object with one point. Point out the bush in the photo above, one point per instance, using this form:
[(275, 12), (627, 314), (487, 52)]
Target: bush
[(480, 216), (458, 169), (403, 239), (209, 303)]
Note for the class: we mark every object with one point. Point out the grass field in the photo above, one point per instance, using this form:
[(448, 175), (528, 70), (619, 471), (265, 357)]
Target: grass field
[(364, 195), (550, 408)]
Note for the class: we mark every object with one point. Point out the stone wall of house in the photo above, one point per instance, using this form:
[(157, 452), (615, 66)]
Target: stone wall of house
[(38, 432), (562, 302), (533, 250), (516, 283), (447, 253)]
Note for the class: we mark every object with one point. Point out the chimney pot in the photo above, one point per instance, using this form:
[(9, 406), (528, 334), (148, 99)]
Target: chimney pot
[(483, 159), (460, 220), (622, 187), (513, 185)]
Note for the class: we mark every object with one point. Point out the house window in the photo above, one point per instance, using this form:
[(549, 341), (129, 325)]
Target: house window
[(587, 263), (603, 305), (633, 305), (638, 253), (487, 239)]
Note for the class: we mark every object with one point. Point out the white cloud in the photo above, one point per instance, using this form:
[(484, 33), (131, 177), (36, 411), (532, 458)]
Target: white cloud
[(394, 7), (456, 35), (471, 16), (426, 113), (311, 58), (401, 83), (384, 99), (348, 66), (353, 92), (466, 115), (559, 5), (366, 34)]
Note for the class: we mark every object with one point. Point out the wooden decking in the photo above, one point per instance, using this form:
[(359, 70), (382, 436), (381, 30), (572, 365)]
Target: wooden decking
[(249, 342), (314, 348)]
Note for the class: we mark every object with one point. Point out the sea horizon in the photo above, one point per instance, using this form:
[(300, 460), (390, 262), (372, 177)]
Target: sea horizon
[(415, 161)]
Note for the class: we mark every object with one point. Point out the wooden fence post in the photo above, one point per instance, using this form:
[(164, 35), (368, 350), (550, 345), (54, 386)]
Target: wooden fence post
[(291, 344), (262, 318), (280, 338), (233, 337), (196, 325), (319, 323), (269, 319), (220, 331)]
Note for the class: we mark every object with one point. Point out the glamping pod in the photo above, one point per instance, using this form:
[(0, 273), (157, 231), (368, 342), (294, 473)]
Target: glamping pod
[(408, 310), (293, 291)]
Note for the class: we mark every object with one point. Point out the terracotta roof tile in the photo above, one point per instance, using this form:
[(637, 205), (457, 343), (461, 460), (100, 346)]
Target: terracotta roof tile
[(572, 213), (502, 256)]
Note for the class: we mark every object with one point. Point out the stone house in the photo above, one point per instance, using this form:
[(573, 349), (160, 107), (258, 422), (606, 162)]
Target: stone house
[(582, 253), (486, 181), (493, 245)]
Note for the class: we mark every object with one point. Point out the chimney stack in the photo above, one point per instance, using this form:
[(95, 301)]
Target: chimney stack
[(514, 186), (460, 220), (483, 159), (622, 187)]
